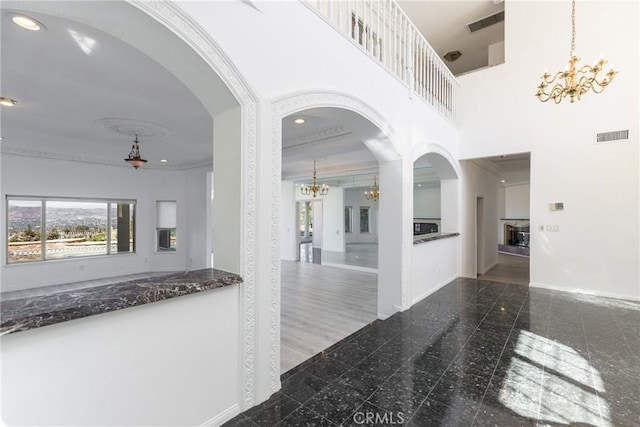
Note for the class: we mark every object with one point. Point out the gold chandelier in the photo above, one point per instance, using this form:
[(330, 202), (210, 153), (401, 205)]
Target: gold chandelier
[(134, 158), (374, 193), (314, 189), (574, 81)]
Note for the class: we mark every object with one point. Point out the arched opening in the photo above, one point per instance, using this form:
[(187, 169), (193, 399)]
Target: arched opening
[(436, 219), (345, 238), (118, 60)]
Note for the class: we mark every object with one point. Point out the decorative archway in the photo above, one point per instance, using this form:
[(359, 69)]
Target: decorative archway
[(386, 152), (170, 16)]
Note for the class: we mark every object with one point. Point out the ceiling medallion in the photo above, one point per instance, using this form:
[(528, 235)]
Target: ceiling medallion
[(134, 128)]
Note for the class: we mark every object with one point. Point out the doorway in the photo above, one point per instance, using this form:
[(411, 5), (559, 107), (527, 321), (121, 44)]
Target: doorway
[(309, 231)]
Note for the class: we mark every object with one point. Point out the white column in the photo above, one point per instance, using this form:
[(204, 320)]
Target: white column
[(395, 237)]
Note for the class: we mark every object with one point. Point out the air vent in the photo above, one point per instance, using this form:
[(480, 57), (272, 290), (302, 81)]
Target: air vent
[(617, 135), (486, 22)]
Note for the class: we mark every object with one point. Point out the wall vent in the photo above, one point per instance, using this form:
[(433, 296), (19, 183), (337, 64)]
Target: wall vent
[(486, 22), (617, 135)]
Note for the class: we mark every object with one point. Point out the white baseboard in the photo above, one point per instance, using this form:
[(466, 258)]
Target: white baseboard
[(430, 291), (223, 416), (351, 267), (585, 292)]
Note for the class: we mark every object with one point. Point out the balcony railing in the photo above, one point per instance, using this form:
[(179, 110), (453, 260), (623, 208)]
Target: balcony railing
[(384, 31)]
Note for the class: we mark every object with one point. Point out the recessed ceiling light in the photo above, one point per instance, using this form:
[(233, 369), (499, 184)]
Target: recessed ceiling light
[(163, 160), (419, 185), (299, 121), (27, 22), (8, 102), (503, 181)]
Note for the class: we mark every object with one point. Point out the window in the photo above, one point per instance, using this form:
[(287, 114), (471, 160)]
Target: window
[(166, 224), (348, 219), (41, 229), (365, 226)]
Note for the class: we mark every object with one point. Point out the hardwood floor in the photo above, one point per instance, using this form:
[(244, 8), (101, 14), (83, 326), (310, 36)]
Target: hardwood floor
[(510, 269), (320, 306)]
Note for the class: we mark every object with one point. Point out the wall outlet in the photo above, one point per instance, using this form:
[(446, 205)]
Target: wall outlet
[(554, 228)]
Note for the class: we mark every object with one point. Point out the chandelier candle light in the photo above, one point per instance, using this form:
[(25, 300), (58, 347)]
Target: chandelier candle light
[(314, 189), (574, 81), (134, 158), (374, 194)]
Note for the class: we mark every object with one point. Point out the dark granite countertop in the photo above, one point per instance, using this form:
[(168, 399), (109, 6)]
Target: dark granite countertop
[(58, 306), (433, 236)]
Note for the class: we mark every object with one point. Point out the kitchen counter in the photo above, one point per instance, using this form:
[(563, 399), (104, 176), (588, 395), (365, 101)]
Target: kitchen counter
[(55, 304)]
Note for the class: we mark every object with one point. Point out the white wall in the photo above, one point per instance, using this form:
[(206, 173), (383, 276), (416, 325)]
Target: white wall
[(478, 182), (169, 363), (355, 197), (426, 202), (333, 220), (287, 222), (196, 209), (516, 200), (434, 264), (599, 184), (59, 178)]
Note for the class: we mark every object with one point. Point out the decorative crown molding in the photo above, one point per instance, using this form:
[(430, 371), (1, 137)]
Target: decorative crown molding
[(315, 136)]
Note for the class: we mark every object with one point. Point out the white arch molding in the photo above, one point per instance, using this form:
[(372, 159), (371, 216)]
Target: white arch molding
[(423, 148), (294, 103), (171, 16)]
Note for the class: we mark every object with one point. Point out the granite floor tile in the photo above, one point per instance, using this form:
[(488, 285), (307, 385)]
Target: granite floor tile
[(240, 421), (303, 386), (427, 363), (304, 416), (352, 353), (432, 413), (500, 416), (474, 352), (363, 382), (394, 397), (327, 368), (336, 402), (379, 365), (471, 388), (414, 380), (274, 410)]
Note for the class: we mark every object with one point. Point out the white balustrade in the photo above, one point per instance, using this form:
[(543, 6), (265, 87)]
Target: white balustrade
[(383, 30)]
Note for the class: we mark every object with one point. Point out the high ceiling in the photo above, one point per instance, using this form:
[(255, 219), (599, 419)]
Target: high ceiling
[(444, 24), (83, 93)]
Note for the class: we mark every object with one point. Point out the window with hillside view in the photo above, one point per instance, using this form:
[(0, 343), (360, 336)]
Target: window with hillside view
[(41, 229)]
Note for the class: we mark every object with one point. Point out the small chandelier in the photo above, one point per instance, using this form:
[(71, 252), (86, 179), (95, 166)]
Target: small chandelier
[(374, 194), (314, 189), (134, 158), (574, 81)]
